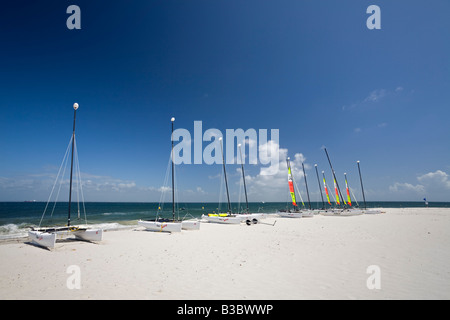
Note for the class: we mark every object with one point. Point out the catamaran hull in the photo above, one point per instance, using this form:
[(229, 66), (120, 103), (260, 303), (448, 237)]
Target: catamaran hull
[(190, 225), (48, 239), (161, 226), (43, 239), (89, 234), (222, 220), (371, 211), (290, 214), (342, 213), (307, 214)]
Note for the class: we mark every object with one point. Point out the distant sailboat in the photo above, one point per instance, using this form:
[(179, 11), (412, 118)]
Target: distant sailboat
[(228, 217), (46, 236), (170, 225)]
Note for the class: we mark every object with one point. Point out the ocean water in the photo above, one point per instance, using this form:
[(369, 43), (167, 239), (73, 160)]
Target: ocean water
[(16, 218)]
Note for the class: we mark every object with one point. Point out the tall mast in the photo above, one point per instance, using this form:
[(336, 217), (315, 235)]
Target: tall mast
[(306, 183), (75, 107), (225, 174), (362, 188), (320, 188), (173, 190), (334, 175), (243, 176)]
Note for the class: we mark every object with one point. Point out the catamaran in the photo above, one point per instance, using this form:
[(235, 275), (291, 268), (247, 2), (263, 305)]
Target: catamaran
[(307, 213), (170, 225), (228, 217), (339, 212), (296, 213), (247, 216), (47, 236), (366, 211)]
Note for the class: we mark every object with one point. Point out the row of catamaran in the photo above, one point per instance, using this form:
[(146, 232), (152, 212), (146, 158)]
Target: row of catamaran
[(47, 236)]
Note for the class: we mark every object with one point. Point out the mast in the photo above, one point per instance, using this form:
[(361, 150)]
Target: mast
[(173, 169), (320, 189), (334, 175), (75, 107), (362, 188), (243, 176), (306, 183), (225, 174)]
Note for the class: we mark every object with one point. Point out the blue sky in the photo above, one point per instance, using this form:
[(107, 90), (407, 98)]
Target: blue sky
[(311, 69)]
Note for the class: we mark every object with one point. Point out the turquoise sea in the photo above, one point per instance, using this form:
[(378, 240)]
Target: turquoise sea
[(17, 217)]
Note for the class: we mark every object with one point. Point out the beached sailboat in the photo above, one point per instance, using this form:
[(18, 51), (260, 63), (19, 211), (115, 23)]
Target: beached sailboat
[(228, 217), (170, 225), (366, 211), (296, 213), (247, 216), (345, 211), (47, 236), (307, 213)]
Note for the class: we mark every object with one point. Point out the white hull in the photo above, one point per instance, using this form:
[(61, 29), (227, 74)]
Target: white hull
[(307, 214), (193, 224), (48, 239), (223, 220), (43, 239), (251, 216), (161, 226), (342, 213), (372, 211), (89, 234), (298, 214)]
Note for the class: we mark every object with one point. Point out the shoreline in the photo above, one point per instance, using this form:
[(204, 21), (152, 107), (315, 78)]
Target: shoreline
[(310, 258)]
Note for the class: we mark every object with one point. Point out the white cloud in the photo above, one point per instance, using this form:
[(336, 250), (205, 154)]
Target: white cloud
[(407, 187), (270, 183), (438, 179), (434, 184), (376, 95)]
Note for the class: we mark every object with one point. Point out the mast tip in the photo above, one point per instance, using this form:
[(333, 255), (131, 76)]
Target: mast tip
[(173, 119), (315, 165), (357, 161), (75, 106)]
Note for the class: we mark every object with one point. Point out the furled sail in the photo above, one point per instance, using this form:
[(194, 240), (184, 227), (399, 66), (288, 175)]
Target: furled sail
[(291, 187), (349, 201), (326, 190)]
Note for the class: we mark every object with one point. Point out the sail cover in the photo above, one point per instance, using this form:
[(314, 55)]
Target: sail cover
[(291, 187), (326, 190), (349, 201), (337, 194)]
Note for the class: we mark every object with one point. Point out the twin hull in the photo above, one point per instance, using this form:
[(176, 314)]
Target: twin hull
[(48, 239), (170, 226)]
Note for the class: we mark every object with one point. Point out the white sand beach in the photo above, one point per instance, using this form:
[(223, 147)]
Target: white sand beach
[(315, 258)]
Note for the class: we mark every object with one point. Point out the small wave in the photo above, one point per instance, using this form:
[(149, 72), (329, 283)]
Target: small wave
[(11, 231)]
